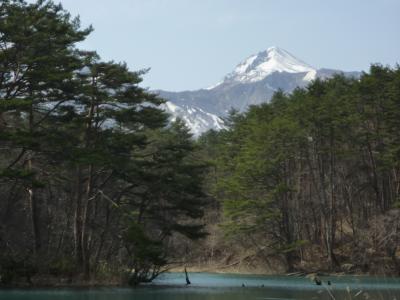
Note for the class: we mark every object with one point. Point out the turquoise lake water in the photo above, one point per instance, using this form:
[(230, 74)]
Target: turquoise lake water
[(226, 287)]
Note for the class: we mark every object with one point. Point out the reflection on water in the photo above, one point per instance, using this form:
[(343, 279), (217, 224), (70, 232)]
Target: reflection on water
[(223, 287)]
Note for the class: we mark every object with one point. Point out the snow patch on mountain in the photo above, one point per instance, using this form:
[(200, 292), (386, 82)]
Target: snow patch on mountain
[(214, 85), (198, 120), (310, 76)]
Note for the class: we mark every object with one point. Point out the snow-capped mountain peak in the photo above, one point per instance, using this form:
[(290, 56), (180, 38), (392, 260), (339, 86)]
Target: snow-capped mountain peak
[(252, 82), (274, 59)]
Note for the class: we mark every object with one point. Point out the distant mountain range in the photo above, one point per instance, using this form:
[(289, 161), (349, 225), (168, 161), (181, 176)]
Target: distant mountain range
[(253, 81)]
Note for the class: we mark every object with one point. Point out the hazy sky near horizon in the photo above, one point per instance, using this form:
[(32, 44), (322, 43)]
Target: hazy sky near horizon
[(191, 44)]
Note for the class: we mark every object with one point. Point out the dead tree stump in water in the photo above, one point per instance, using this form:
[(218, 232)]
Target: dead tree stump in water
[(187, 277)]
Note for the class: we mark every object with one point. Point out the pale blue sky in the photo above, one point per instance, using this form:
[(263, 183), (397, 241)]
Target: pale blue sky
[(190, 44)]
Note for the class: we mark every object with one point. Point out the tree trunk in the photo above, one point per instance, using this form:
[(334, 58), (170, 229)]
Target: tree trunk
[(85, 218), (78, 218), (31, 195)]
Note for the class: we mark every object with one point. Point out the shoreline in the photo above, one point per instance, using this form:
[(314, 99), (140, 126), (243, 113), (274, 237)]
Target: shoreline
[(98, 284)]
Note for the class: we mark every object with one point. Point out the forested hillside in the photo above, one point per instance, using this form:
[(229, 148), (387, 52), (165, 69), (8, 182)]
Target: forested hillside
[(313, 178)]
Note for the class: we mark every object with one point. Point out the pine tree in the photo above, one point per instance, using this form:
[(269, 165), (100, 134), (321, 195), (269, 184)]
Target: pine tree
[(37, 60), (87, 150)]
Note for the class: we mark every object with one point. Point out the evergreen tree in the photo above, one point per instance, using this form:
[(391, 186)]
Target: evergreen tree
[(87, 150), (37, 61)]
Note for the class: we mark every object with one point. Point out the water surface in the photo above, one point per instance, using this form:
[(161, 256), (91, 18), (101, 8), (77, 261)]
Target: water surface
[(226, 287)]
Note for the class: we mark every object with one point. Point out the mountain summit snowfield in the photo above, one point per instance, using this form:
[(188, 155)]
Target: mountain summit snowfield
[(252, 82), (274, 59)]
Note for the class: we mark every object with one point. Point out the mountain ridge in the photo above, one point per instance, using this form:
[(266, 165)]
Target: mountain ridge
[(253, 81)]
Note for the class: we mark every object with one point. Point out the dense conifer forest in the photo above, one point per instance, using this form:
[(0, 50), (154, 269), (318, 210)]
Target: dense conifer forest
[(96, 183), (313, 178)]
